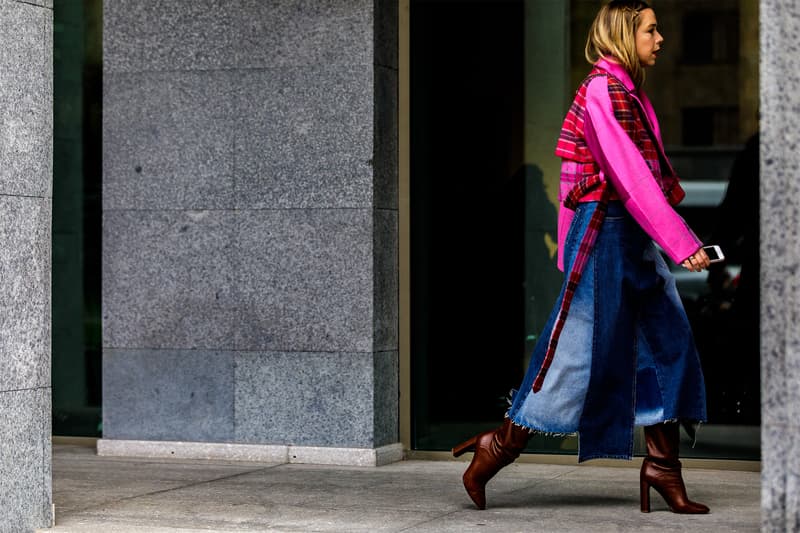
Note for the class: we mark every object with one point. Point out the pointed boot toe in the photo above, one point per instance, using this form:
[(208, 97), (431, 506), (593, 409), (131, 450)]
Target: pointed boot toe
[(493, 450), (476, 492)]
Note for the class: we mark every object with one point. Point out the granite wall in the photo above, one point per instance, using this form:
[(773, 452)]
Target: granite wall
[(250, 222), (780, 259), (26, 100)]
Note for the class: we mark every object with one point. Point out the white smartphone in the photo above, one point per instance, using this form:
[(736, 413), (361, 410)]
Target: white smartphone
[(714, 253)]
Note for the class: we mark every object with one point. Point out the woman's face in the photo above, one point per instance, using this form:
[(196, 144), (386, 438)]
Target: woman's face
[(648, 40)]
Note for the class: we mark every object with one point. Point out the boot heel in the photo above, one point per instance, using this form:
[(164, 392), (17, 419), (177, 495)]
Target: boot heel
[(466, 446), (644, 495)]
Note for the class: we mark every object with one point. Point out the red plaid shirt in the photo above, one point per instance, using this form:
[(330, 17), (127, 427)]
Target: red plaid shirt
[(572, 142)]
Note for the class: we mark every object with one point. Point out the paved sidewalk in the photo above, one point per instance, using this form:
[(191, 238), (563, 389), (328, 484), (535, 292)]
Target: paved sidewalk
[(102, 494)]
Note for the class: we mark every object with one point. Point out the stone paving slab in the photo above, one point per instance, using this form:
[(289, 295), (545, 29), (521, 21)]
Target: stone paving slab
[(96, 494)]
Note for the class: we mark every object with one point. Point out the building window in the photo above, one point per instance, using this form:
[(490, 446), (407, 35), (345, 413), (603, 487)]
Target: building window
[(707, 126), (710, 37)]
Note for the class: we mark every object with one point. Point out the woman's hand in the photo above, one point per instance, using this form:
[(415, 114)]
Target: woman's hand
[(697, 261)]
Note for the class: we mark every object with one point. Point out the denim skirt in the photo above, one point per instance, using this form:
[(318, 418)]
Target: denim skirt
[(626, 355)]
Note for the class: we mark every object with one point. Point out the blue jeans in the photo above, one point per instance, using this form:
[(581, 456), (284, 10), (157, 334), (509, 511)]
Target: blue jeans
[(626, 355)]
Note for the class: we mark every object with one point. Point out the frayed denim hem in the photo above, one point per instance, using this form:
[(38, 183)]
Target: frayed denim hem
[(538, 431), (604, 456)]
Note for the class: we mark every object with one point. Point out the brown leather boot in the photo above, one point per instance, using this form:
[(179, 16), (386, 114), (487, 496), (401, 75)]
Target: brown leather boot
[(661, 470), (493, 449)]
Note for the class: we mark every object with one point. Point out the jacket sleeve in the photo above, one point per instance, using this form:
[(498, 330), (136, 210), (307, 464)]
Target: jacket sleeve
[(622, 163)]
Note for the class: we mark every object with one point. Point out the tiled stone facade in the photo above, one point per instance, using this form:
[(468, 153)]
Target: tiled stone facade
[(26, 129), (250, 222), (780, 259)]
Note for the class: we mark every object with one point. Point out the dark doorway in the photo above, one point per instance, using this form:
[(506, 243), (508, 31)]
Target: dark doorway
[(467, 213), (77, 178)]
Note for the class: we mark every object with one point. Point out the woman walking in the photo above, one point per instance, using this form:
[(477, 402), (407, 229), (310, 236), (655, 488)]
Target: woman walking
[(617, 351)]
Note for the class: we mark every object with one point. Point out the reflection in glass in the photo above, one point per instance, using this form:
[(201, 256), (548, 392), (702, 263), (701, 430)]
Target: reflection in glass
[(483, 279)]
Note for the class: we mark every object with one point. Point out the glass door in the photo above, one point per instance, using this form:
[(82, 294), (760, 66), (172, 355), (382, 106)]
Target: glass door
[(490, 82)]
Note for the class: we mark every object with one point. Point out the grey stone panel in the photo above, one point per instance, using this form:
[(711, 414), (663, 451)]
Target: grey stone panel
[(26, 99), (386, 418), (791, 367), (182, 395), (776, 445), (386, 29), (25, 456), (25, 296), (386, 139), (231, 34), (305, 280), (310, 399), (46, 488), (302, 33), (168, 279), (168, 140), (177, 35), (780, 279), (791, 462), (385, 280), (43, 3), (305, 137), (774, 324)]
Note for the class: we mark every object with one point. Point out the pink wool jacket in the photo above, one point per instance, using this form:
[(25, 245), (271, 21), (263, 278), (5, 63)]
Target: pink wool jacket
[(622, 164)]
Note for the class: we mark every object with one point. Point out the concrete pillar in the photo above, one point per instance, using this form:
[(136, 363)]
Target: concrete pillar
[(250, 229), (780, 258), (26, 128)]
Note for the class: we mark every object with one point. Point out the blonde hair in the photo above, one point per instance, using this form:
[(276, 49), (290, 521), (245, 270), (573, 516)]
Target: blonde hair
[(613, 35)]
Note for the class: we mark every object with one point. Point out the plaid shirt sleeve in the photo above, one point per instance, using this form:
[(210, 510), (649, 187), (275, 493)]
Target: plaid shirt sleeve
[(622, 163)]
